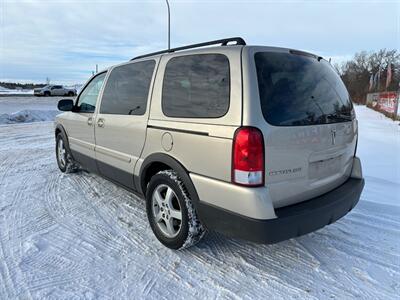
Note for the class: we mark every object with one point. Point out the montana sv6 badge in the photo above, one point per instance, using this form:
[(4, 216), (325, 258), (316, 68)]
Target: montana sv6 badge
[(284, 172)]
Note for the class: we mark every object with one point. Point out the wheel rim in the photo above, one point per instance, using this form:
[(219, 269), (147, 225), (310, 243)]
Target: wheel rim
[(61, 153), (166, 210)]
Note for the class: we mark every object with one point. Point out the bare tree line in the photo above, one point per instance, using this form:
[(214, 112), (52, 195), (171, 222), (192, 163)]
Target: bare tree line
[(367, 72)]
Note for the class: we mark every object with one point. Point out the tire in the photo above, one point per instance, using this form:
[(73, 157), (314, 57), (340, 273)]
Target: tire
[(163, 209), (46, 94), (71, 94), (65, 162)]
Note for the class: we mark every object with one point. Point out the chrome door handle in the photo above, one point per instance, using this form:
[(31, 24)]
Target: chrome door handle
[(100, 122), (90, 121)]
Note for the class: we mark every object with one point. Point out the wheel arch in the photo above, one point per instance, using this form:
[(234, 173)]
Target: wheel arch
[(61, 130), (160, 161)]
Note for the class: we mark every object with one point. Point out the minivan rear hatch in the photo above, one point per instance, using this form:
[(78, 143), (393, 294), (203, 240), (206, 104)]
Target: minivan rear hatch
[(310, 130)]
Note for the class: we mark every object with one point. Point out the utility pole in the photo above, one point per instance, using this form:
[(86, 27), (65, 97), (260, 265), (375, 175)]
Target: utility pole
[(169, 26), (97, 68)]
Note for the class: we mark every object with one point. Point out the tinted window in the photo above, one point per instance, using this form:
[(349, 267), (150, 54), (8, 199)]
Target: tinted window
[(127, 89), (300, 90), (87, 99), (196, 86)]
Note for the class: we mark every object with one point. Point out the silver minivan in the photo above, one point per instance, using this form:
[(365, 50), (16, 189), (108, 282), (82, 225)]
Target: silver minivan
[(254, 142)]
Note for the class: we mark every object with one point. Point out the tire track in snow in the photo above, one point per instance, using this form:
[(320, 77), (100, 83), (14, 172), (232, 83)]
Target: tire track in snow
[(124, 213), (67, 217), (69, 263), (10, 256), (7, 285), (81, 235)]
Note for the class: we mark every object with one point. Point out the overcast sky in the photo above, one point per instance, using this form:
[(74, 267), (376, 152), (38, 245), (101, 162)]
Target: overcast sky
[(63, 40)]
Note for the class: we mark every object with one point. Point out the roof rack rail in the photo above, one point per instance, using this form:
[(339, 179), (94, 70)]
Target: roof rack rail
[(223, 42)]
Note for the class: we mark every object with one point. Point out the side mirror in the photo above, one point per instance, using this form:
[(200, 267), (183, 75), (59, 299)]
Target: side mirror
[(65, 105)]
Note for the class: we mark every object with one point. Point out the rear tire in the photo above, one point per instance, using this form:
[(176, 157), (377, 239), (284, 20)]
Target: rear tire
[(171, 213), (65, 162)]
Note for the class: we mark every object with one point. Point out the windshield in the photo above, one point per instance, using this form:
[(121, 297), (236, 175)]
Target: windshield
[(298, 90)]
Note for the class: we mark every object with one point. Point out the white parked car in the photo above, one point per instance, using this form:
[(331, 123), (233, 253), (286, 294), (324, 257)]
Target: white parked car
[(54, 90)]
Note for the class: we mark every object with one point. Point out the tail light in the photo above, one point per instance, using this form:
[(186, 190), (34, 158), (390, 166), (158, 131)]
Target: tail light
[(248, 167)]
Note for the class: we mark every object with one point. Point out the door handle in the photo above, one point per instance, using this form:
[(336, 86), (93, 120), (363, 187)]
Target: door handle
[(100, 122), (90, 121)]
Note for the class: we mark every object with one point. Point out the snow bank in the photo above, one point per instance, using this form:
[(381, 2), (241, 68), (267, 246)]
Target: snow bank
[(28, 116), (5, 91), (379, 148)]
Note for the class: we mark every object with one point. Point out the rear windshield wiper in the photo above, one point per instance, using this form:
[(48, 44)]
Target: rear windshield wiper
[(338, 117)]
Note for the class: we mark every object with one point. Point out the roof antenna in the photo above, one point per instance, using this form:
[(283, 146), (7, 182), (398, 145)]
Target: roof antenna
[(169, 26)]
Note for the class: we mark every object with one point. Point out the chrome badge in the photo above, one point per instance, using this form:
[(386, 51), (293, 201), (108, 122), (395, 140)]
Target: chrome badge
[(333, 133)]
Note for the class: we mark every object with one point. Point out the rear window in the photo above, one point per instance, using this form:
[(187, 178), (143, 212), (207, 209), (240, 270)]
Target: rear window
[(196, 86), (298, 90)]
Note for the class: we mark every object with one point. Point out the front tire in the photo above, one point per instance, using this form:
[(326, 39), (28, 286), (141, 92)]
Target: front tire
[(65, 162), (171, 213), (47, 94)]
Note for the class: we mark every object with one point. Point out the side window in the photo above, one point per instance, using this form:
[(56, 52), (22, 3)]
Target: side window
[(196, 86), (127, 89), (87, 99)]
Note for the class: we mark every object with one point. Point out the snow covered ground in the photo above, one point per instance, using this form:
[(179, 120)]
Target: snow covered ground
[(81, 237)]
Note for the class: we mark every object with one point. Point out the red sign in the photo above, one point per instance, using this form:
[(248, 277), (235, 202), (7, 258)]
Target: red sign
[(387, 101)]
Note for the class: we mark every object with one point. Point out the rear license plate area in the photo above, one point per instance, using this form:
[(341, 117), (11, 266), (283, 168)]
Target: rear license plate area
[(325, 168)]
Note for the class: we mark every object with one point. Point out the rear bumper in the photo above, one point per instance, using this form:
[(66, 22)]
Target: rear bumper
[(292, 221)]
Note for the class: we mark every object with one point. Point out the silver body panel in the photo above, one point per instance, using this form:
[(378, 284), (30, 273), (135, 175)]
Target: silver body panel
[(301, 162)]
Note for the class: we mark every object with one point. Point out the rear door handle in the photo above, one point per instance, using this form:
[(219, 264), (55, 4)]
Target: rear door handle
[(90, 121), (100, 122)]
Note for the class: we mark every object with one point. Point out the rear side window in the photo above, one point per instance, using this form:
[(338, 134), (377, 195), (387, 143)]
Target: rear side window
[(196, 86), (298, 90), (127, 89)]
